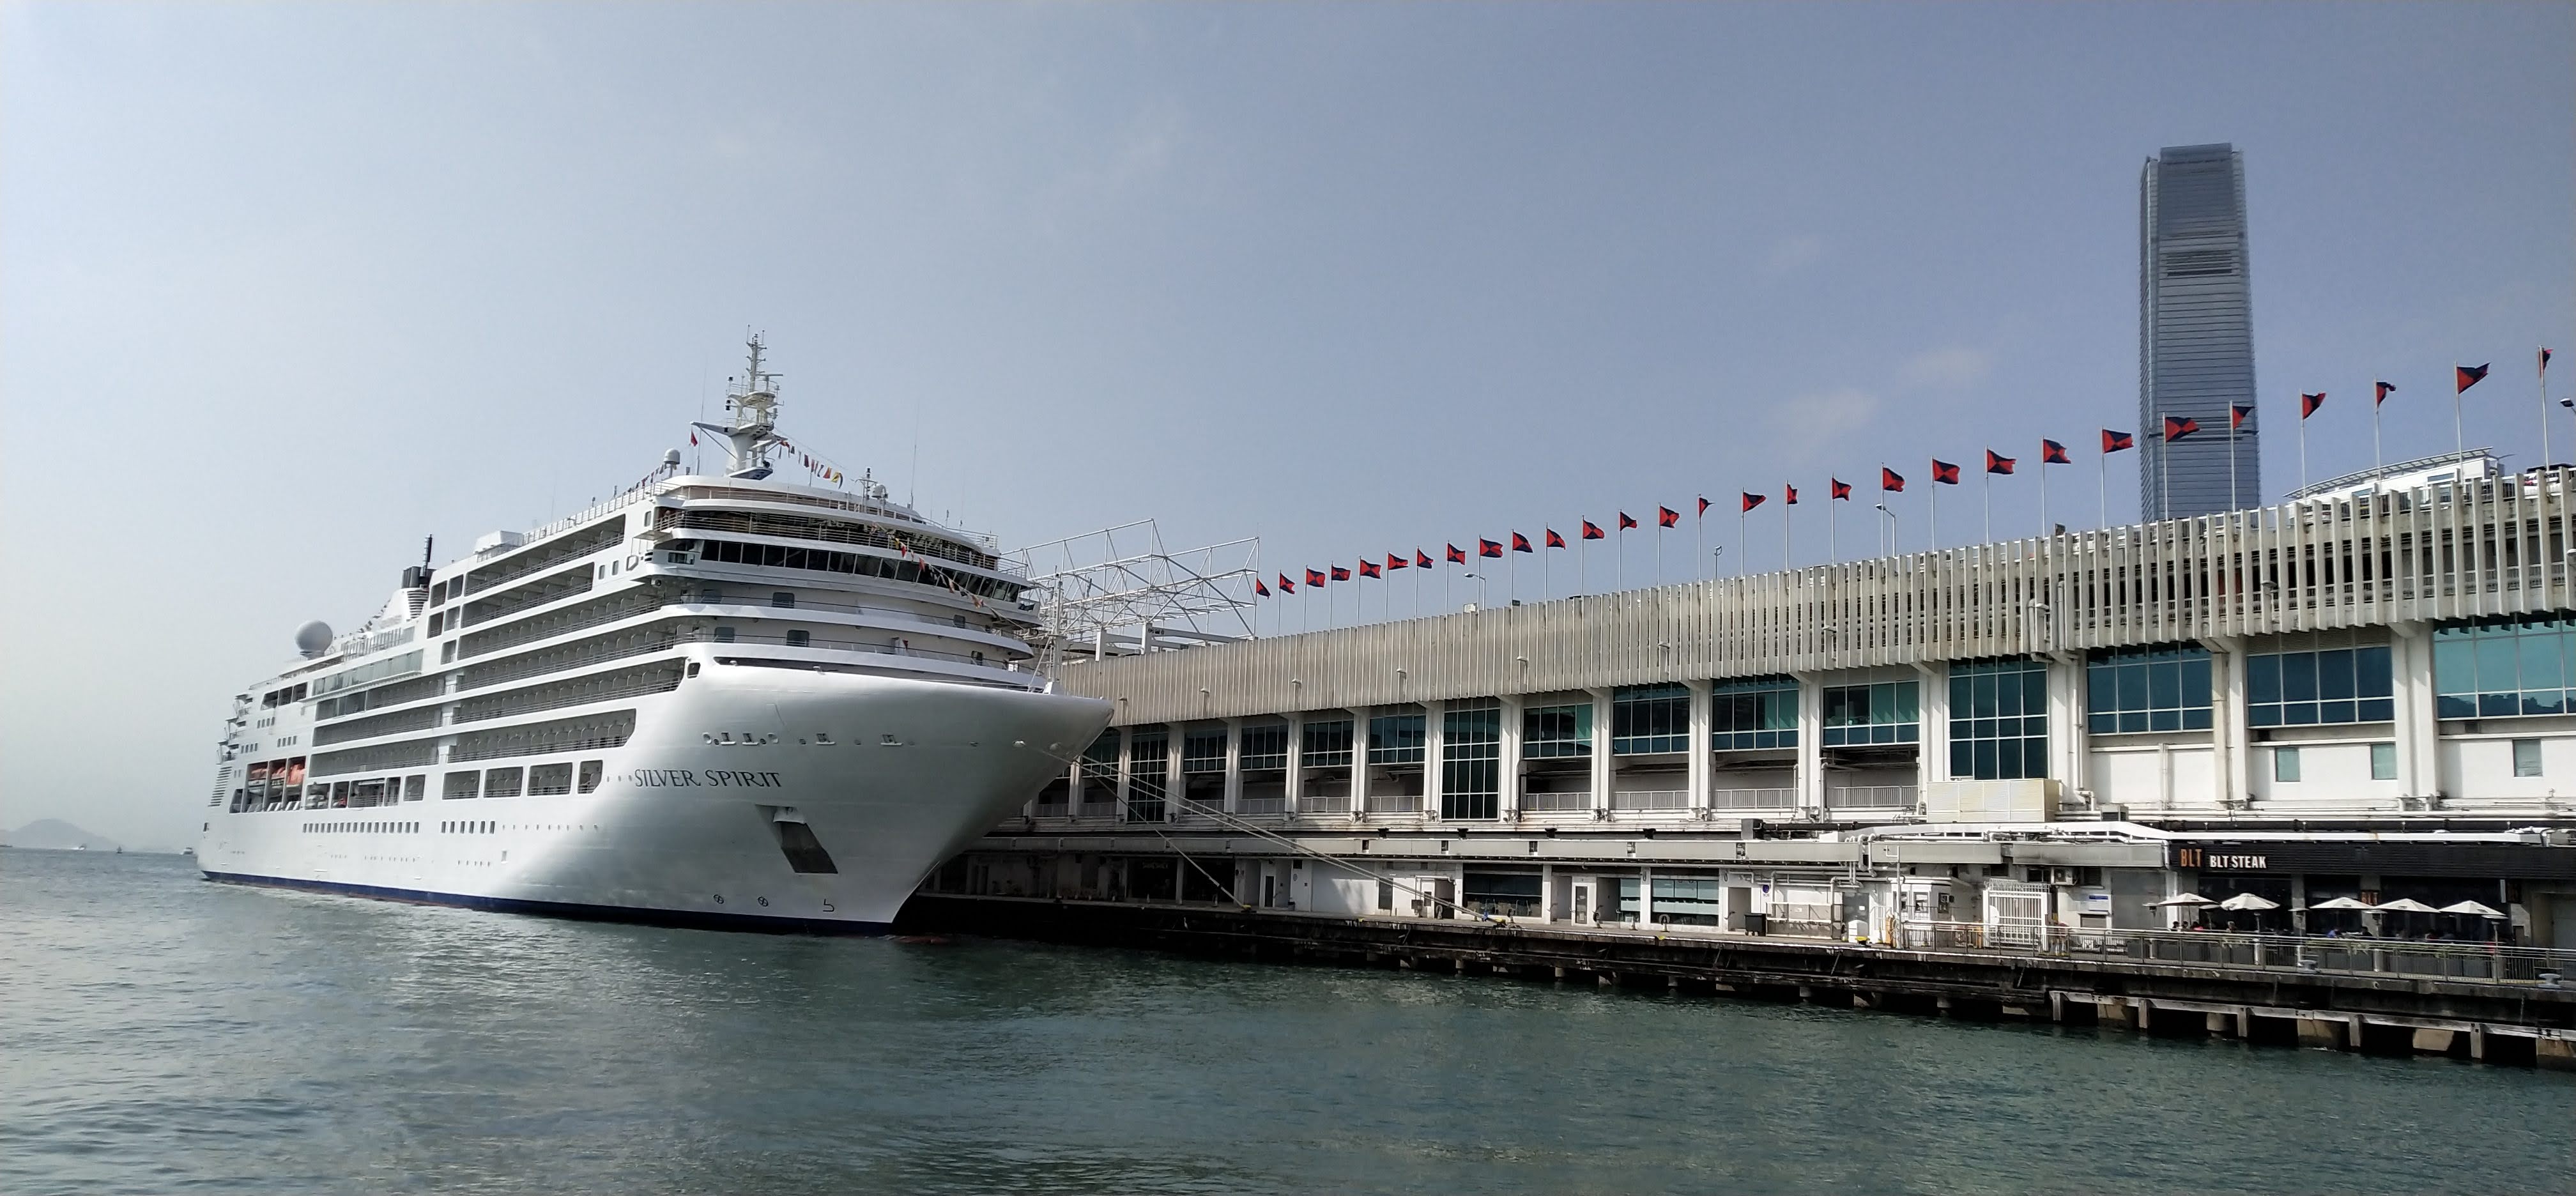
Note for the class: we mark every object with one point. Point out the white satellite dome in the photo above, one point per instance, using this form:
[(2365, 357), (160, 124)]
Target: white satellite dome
[(671, 458), (313, 637)]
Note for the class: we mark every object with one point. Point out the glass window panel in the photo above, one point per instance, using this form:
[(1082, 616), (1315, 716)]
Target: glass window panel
[(2455, 706), (2377, 710), (2196, 719), (2455, 666), (2496, 664), (2263, 678), (2164, 685), (2130, 689), (2334, 674), (2497, 705), (2100, 724), (2034, 691), (2335, 712), (2541, 701), (2537, 654), (2299, 714), (2195, 682), (2298, 676), (2383, 762), (2264, 715)]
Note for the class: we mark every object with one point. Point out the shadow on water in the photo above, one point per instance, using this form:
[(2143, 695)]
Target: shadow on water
[(162, 1032)]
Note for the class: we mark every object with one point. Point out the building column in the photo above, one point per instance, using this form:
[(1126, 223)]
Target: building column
[(1126, 771), (1601, 763), (1359, 761), (1175, 782), (1702, 772), (2068, 740), (1508, 760), (1932, 763), (2229, 750), (2418, 727), (1233, 799), (1435, 751), (1811, 743), (1293, 785), (1547, 892), (1645, 897)]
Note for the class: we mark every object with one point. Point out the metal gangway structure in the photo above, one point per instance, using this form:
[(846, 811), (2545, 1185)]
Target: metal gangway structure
[(1119, 591)]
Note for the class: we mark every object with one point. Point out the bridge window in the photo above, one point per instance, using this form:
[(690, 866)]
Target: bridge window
[(1556, 732), (1265, 746), (2504, 668), (1397, 738), (1471, 748), (1999, 719), (1149, 768), (1757, 712), (2147, 689), (1888, 712), (2323, 685), (1649, 719), (1327, 745), (1203, 750)]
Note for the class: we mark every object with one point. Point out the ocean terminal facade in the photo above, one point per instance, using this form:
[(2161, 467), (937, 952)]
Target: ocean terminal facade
[(2361, 697)]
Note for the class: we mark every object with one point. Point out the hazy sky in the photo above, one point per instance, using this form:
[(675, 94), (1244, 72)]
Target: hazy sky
[(285, 289)]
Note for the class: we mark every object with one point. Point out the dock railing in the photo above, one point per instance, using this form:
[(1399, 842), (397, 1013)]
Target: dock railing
[(2430, 959)]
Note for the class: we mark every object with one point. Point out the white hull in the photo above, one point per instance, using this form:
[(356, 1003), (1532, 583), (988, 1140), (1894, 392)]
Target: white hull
[(893, 776)]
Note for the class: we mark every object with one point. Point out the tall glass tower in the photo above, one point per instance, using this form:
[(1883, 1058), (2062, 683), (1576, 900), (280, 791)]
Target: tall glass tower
[(2195, 334)]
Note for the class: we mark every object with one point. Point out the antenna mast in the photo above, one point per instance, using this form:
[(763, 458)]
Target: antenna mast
[(753, 399)]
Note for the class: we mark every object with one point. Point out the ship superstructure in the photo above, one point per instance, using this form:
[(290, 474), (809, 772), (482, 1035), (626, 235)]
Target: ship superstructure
[(717, 698)]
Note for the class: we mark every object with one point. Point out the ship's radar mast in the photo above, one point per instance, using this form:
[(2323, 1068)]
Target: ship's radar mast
[(753, 399)]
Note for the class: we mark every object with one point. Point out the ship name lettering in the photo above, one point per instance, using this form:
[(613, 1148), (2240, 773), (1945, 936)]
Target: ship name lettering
[(658, 778), (723, 777)]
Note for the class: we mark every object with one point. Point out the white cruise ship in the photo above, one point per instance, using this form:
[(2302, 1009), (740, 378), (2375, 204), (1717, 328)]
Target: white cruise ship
[(720, 700)]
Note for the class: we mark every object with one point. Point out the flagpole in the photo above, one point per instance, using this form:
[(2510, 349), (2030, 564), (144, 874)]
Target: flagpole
[(1547, 579), (1699, 537), (1785, 504), (1935, 488), (2303, 443), (2544, 412), (1740, 552), (2459, 439), (1659, 547), (2232, 503), (1833, 516), (1623, 551), (1986, 488), (2376, 460), (2045, 527), (2164, 472), (2103, 460), (1582, 562)]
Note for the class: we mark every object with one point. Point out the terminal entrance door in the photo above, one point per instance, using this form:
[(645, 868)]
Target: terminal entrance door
[(1583, 903)]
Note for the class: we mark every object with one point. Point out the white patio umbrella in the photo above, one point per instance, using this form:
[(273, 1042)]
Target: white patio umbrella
[(2341, 903), (2248, 901), (2186, 899), (2471, 907), (2405, 905)]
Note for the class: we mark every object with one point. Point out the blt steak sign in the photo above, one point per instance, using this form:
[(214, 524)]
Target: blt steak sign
[(2202, 857)]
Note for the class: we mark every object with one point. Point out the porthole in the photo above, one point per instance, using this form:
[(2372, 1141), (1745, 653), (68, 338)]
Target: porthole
[(719, 898)]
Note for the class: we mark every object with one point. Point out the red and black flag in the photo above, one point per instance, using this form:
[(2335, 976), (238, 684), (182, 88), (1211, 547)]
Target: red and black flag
[(1591, 530), (1890, 480), (1703, 504), (1260, 590), (1457, 555), (2384, 388), (2308, 404), (1944, 472), (1999, 464), (1625, 522), (1395, 560), (2470, 375), (1554, 540), (1488, 548), (2053, 453), (2238, 414), (1341, 574), (2113, 442), (1286, 586), (1520, 543), (1751, 500), (1842, 489), (2177, 427), (1788, 495), (1667, 517), (1314, 578), (1368, 568), (2544, 361), (1422, 560)]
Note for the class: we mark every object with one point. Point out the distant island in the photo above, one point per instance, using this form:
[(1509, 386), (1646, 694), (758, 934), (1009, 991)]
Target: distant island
[(54, 834)]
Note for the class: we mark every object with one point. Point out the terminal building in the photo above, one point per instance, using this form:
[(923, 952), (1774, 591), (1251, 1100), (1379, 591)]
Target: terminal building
[(2363, 697)]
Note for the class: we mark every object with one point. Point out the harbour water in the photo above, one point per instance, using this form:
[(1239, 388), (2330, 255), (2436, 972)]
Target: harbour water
[(158, 1033)]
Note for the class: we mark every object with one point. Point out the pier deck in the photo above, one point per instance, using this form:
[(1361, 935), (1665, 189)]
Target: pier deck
[(2503, 1021)]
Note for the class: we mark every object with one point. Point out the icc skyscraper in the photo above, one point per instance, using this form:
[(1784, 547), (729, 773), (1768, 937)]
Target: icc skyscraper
[(2195, 334)]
